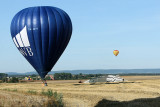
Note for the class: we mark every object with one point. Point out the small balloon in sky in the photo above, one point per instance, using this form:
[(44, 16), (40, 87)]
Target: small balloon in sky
[(41, 34), (115, 52)]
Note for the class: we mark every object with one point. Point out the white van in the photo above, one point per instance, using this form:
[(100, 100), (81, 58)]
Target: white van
[(112, 78)]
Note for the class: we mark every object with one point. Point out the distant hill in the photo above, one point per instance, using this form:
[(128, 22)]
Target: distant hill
[(97, 71)]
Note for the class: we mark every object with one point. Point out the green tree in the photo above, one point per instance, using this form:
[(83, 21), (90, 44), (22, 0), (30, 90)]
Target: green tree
[(2, 75), (14, 80), (63, 76)]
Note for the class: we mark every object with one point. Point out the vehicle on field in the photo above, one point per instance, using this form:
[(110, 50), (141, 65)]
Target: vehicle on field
[(112, 78)]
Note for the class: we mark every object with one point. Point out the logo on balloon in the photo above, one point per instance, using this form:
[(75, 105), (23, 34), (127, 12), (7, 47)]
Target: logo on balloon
[(22, 43)]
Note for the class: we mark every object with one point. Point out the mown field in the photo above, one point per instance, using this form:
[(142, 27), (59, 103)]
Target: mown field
[(138, 91)]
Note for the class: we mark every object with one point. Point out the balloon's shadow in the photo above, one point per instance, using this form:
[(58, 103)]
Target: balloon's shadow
[(142, 102)]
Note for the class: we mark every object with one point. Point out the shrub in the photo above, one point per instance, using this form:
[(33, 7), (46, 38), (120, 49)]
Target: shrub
[(53, 97), (49, 93), (32, 92), (51, 103), (43, 92), (14, 80), (14, 90), (6, 89), (58, 98)]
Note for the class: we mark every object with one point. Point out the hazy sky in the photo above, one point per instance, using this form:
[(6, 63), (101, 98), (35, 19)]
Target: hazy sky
[(99, 27)]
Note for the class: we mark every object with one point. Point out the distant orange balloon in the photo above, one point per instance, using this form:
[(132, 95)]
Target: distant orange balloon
[(115, 52)]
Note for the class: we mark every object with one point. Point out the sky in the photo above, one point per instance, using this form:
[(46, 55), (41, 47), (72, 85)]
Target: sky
[(99, 28)]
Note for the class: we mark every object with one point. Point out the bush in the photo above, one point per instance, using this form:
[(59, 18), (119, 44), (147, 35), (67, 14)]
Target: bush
[(32, 92), (3, 75), (49, 93), (53, 96), (6, 89), (4, 79), (14, 80), (51, 103), (14, 90), (58, 98)]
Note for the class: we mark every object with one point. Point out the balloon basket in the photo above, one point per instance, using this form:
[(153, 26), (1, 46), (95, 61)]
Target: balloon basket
[(44, 83)]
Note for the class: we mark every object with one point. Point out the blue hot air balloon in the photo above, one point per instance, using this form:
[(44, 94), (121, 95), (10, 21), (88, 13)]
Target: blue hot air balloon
[(41, 34)]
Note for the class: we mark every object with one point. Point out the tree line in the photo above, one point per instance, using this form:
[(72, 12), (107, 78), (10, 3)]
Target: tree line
[(69, 76), (64, 76), (2, 75), (3, 78)]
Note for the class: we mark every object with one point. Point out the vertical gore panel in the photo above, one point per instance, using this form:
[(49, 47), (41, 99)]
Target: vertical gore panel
[(52, 36), (28, 21), (37, 36), (44, 34)]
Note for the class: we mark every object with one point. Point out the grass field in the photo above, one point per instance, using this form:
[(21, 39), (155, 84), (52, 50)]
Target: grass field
[(138, 91)]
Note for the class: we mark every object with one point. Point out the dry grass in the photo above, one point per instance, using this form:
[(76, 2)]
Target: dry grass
[(86, 95), (14, 99)]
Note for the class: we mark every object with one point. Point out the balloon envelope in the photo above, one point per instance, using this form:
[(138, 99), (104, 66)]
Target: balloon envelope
[(115, 52), (41, 34)]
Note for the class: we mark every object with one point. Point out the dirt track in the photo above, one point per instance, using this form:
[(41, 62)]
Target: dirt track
[(88, 95)]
